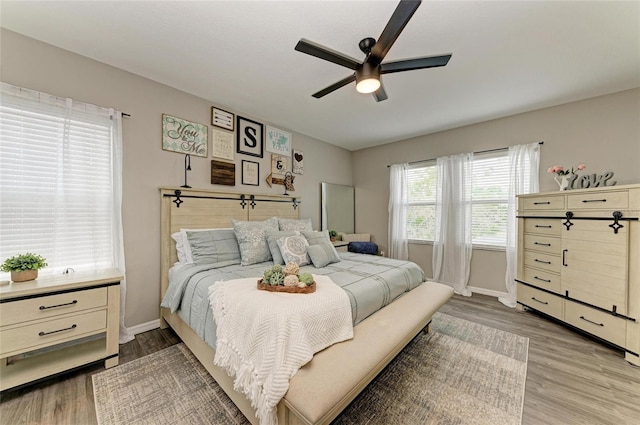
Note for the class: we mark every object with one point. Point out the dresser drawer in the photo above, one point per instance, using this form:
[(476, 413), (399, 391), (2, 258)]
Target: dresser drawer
[(13, 312), (543, 226), (541, 301), (598, 323), (542, 261), (599, 200), (542, 279), (547, 244), (51, 332), (546, 202)]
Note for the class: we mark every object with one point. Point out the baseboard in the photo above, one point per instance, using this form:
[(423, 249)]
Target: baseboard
[(485, 291), (144, 327)]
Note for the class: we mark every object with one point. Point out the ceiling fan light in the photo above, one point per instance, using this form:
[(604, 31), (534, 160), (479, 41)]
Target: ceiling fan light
[(367, 78)]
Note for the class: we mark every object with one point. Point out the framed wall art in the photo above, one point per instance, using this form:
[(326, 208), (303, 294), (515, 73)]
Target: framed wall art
[(250, 173), (222, 144), (223, 173), (221, 118), (278, 164), (278, 141), (182, 136), (249, 137), (297, 162)]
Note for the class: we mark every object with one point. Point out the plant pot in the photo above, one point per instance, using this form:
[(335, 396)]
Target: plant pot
[(24, 275)]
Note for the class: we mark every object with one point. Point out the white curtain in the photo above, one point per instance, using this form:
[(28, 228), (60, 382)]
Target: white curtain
[(398, 244), (116, 214), (524, 165), (452, 246)]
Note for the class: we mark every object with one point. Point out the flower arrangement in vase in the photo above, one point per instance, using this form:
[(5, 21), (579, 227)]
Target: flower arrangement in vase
[(563, 177)]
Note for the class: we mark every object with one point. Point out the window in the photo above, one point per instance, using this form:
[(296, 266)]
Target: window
[(490, 191), (56, 181)]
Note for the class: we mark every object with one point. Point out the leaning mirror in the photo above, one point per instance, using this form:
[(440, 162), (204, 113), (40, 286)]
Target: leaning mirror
[(338, 208)]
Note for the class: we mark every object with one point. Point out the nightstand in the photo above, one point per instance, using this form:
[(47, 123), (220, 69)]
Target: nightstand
[(341, 246), (53, 324)]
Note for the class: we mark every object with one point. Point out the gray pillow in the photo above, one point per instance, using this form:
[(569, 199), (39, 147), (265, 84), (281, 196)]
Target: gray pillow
[(272, 238), (213, 246), (294, 249), (252, 239), (303, 225), (322, 239), (322, 255)]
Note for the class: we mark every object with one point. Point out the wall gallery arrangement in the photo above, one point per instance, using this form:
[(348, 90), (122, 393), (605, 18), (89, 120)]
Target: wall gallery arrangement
[(248, 136)]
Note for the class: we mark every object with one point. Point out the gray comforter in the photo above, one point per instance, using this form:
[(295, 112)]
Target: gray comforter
[(370, 281)]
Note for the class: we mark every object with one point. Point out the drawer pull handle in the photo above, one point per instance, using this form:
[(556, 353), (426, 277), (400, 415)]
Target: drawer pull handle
[(543, 262), (542, 244), (591, 321), (544, 280), (542, 203), (539, 226), (59, 330), (564, 252), (42, 307), (541, 302), (593, 200)]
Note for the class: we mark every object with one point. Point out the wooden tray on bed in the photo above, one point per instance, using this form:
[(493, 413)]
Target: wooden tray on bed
[(290, 289)]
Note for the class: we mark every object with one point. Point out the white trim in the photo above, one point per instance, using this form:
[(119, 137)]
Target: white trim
[(144, 327), (485, 291)]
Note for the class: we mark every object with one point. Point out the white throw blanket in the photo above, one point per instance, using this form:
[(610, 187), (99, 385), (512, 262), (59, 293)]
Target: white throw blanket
[(263, 338)]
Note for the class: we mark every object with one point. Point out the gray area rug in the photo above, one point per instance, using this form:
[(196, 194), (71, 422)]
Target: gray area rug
[(461, 373)]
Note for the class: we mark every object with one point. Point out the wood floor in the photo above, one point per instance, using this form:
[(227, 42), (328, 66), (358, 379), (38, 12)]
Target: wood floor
[(570, 378)]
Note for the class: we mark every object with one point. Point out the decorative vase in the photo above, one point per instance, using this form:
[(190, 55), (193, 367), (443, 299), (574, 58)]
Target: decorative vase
[(563, 181), (24, 275)]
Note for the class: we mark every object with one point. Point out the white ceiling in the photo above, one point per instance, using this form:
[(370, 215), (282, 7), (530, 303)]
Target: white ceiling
[(508, 56)]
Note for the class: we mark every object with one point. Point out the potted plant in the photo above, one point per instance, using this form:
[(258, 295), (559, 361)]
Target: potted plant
[(24, 267), (333, 235)]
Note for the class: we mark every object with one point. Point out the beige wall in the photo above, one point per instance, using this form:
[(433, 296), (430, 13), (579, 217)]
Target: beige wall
[(29, 63), (602, 132)]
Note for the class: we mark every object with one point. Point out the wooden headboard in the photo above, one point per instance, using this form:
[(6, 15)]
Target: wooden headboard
[(206, 209)]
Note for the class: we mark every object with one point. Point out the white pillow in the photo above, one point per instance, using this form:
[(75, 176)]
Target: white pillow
[(183, 248), (294, 249)]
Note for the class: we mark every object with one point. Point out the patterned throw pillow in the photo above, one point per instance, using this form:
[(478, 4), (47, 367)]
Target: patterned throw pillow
[(272, 241), (252, 239), (303, 225), (294, 249)]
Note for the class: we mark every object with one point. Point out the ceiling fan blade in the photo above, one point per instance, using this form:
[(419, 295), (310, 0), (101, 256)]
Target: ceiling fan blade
[(314, 49), (417, 63), (380, 95), (335, 86), (404, 11)]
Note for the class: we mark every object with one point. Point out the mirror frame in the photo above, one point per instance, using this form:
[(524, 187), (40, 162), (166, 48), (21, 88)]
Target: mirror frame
[(325, 207)]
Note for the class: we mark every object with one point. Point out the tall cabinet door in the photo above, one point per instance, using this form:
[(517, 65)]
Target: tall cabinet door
[(595, 264)]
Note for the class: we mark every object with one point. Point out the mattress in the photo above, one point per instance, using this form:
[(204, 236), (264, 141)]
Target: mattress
[(370, 281)]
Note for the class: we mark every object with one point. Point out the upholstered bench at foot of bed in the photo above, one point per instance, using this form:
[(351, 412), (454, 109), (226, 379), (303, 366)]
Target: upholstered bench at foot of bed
[(328, 383)]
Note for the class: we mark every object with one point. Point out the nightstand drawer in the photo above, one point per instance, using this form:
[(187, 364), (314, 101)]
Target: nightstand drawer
[(604, 200), (598, 323), (542, 261), (51, 332), (51, 305), (540, 300), (543, 226), (547, 244), (547, 202), (542, 279)]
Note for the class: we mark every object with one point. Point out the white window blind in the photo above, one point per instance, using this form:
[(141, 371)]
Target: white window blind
[(55, 181), (490, 191)]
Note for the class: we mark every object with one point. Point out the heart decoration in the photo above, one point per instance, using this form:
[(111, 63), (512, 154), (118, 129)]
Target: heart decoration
[(298, 157)]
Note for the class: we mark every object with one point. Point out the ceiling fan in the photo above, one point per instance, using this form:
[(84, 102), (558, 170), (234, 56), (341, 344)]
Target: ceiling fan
[(367, 74)]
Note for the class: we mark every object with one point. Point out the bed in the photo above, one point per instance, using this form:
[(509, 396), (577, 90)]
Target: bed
[(321, 389)]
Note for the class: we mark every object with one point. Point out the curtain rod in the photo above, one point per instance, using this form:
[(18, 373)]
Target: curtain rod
[(475, 153)]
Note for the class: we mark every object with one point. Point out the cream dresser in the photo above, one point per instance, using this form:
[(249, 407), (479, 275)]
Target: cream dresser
[(54, 324), (579, 261)]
